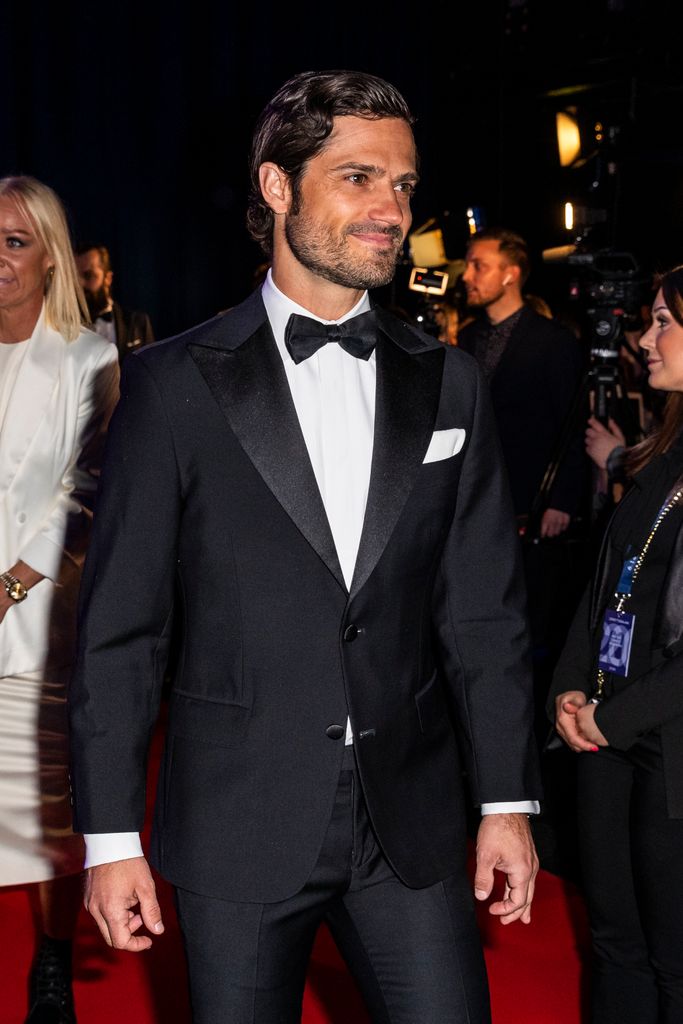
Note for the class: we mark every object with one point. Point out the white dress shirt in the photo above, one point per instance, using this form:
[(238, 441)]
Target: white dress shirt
[(334, 398)]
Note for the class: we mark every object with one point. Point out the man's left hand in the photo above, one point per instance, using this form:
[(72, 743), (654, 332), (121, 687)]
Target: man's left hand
[(554, 522), (504, 843)]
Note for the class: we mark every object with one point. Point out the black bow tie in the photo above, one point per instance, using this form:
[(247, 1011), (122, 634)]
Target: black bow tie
[(107, 315), (357, 336)]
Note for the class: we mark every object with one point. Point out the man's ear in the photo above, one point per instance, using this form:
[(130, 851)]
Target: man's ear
[(512, 272), (275, 187)]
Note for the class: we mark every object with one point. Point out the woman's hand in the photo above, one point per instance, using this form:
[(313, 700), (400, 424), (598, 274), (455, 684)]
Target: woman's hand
[(600, 441), (587, 726), (28, 576), (574, 721)]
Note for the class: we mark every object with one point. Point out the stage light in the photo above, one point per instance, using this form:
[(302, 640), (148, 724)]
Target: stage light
[(568, 136), (427, 245), (475, 219), (569, 216)]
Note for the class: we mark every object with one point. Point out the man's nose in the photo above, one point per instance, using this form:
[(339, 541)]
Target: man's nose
[(387, 207)]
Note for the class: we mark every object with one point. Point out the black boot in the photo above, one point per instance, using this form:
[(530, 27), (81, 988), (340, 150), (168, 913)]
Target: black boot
[(50, 994)]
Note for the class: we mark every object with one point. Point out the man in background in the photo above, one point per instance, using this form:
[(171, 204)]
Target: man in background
[(127, 329), (534, 367)]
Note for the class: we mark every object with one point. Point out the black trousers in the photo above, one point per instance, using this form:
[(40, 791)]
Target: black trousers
[(632, 867), (415, 953)]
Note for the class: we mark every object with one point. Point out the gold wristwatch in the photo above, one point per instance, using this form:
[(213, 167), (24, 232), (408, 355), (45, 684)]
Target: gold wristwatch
[(14, 587)]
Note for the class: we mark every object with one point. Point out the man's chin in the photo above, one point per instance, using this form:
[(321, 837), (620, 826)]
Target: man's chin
[(381, 272), (364, 279)]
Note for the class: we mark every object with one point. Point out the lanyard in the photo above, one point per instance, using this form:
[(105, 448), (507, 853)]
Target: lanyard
[(629, 573)]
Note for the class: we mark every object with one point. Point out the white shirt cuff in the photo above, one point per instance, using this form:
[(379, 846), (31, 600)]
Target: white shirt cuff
[(105, 847), (512, 807)]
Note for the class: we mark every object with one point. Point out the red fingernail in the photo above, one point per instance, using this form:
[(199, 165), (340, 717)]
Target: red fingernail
[(595, 749)]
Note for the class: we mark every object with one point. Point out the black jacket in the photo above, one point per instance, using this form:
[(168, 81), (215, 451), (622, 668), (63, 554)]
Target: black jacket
[(219, 509), (653, 700), (133, 329), (533, 390)]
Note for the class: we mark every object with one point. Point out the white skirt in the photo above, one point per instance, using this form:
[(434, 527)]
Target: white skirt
[(36, 839)]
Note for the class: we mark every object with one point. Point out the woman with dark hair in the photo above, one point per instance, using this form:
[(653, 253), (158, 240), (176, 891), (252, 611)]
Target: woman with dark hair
[(58, 386), (617, 700)]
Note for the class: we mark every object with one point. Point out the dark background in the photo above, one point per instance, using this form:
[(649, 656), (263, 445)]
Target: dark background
[(140, 117)]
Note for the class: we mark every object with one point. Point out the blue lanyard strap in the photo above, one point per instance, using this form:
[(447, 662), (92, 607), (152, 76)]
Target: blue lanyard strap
[(631, 566)]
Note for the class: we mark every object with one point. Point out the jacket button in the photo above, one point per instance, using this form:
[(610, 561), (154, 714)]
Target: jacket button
[(350, 633), (335, 732)]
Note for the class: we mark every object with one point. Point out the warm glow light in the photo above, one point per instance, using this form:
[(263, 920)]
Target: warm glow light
[(568, 137), (569, 216)]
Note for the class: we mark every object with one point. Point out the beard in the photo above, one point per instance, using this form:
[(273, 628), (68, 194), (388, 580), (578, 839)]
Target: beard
[(329, 255), (97, 301), (479, 301)]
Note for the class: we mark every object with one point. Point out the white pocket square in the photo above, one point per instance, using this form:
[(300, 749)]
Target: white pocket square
[(445, 444)]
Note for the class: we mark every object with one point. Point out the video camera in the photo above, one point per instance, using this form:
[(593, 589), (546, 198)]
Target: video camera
[(609, 288), (612, 289)]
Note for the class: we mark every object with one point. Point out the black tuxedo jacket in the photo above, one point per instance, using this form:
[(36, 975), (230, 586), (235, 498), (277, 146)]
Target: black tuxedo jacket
[(215, 526), (533, 390), (133, 329), (652, 700)]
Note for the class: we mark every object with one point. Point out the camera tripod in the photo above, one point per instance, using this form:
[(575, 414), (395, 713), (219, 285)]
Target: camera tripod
[(603, 393)]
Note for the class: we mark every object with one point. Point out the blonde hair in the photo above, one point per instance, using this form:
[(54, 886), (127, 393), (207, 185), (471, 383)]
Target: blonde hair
[(65, 307)]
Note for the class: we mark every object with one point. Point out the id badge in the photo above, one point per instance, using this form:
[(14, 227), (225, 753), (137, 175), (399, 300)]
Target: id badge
[(615, 646)]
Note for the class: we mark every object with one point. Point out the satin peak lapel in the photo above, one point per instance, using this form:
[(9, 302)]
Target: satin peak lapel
[(250, 386), (408, 390)]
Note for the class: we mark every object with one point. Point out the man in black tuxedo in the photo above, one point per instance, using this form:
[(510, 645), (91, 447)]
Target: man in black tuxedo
[(321, 495), (128, 329)]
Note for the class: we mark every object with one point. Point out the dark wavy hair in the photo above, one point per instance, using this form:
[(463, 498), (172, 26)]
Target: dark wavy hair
[(662, 438), (297, 122)]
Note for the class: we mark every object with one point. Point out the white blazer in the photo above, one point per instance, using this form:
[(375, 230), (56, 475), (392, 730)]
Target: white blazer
[(50, 446)]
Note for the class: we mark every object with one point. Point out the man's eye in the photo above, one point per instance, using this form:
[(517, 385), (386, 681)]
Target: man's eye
[(358, 178), (406, 187)]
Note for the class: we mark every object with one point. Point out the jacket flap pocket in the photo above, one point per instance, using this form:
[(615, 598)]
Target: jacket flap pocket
[(208, 721)]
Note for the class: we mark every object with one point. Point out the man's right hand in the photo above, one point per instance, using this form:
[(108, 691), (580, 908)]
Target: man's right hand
[(121, 896)]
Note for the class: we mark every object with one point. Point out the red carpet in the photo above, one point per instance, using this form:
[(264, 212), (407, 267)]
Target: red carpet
[(535, 972)]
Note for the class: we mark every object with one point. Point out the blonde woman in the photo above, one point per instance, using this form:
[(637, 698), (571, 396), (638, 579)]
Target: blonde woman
[(58, 387)]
